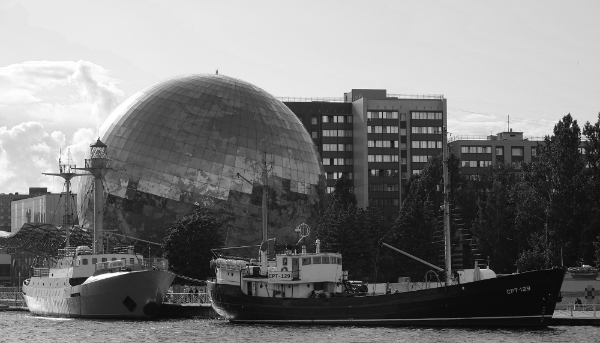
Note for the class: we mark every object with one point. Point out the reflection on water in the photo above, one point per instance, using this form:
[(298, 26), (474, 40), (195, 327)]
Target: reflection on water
[(23, 327)]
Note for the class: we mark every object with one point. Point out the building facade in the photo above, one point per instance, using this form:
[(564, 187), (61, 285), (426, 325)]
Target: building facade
[(47, 208), (478, 152), (5, 205), (377, 140)]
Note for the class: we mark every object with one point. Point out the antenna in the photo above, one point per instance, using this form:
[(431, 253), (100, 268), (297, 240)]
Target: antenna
[(508, 128)]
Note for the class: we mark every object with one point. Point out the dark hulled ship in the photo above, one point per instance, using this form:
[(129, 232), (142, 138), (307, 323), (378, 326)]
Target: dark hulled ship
[(300, 287)]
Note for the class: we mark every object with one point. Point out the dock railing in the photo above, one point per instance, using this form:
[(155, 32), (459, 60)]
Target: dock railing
[(579, 311), (187, 298), (12, 296)]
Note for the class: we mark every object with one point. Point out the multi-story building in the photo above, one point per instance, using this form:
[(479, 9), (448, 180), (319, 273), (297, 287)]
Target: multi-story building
[(477, 152), (5, 201), (47, 208), (375, 139)]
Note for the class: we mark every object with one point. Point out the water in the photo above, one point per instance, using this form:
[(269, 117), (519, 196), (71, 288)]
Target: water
[(23, 327)]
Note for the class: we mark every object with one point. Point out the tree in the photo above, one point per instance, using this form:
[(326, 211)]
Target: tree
[(559, 178), (188, 242), (352, 231)]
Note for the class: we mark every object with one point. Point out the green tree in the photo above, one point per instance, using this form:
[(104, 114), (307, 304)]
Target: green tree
[(558, 176), (188, 242), (350, 230)]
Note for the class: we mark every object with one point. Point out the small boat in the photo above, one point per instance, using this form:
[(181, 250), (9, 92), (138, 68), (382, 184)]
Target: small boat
[(583, 272), (93, 283), (301, 287)]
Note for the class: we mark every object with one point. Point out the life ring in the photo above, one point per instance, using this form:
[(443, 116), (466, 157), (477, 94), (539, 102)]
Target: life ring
[(284, 269)]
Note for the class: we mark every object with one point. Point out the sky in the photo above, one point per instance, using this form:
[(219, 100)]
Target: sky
[(65, 65)]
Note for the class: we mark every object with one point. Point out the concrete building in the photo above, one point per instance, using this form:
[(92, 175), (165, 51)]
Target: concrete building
[(477, 152), (5, 201), (47, 208), (375, 139)]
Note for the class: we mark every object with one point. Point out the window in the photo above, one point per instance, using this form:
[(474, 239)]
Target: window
[(315, 135), (420, 158), (84, 261), (313, 121), (517, 151), (416, 171), (316, 260), (500, 151), (305, 261), (330, 190), (476, 149), (402, 132), (427, 115), (403, 117), (94, 260), (472, 164), (534, 151), (483, 164)]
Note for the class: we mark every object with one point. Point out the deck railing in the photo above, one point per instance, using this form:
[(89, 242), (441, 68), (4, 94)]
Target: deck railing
[(187, 298), (133, 264)]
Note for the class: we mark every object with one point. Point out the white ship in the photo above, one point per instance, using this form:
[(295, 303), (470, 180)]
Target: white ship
[(93, 283)]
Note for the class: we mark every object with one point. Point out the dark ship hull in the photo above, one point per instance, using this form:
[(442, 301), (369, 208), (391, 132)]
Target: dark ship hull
[(526, 299)]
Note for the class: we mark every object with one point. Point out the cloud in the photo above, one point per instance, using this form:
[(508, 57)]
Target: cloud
[(46, 106), (64, 95), (26, 151)]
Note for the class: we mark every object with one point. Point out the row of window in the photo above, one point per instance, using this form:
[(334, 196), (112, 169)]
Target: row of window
[(338, 161), (338, 175), (385, 202), (382, 129), (421, 158), (321, 260), (382, 158), (426, 144), (426, 115), (478, 150), (380, 187), (515, 151), (383, 172), (384, 115), (426, 129), (475, 164), (337, 133), (334, 119), (337, 147), (382, 144)]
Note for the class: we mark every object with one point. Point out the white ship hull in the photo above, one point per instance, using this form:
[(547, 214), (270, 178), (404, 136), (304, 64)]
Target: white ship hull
[(128, 294)]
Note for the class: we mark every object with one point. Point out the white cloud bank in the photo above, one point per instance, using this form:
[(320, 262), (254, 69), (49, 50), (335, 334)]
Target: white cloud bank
[(46, 106)]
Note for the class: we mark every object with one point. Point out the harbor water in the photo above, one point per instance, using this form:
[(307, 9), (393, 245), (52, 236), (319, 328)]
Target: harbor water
[(24, 327)]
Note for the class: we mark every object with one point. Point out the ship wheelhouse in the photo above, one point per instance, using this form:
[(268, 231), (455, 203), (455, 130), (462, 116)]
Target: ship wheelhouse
[(289, 275)]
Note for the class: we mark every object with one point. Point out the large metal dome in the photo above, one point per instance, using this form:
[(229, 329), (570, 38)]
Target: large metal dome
[(180, 144)]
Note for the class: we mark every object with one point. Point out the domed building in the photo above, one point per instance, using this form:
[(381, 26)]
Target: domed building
[(181, 143)]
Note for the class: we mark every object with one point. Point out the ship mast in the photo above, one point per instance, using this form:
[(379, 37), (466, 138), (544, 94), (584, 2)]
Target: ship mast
[(446, 206), (264, 252), (67, 172), (97, 166)]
